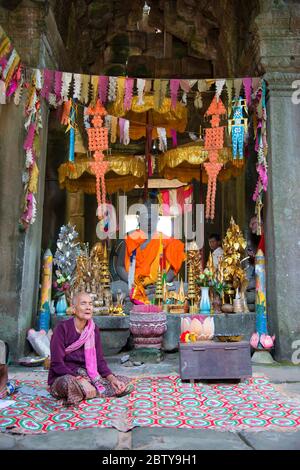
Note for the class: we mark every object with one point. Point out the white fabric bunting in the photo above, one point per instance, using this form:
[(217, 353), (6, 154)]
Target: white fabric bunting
[(140, 87), (66, 82)]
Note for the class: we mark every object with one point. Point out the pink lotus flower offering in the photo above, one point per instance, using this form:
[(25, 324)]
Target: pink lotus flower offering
[(201, 326), (262, 342)]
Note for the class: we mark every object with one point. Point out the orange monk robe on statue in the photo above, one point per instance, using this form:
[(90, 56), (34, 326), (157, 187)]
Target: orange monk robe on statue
[(147, 259)]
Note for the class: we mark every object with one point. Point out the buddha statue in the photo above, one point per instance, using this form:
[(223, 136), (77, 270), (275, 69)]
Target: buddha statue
[(147, 248)]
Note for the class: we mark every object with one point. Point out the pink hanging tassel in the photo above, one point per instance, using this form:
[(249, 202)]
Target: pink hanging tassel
[(247, 82), (28, 144), (47, 85), (261, 170), (256, 191), (58, 85), (174, 86), (174, 137), (14, 82), (12, 87), (128, 93), (3, 63), (103, 88)]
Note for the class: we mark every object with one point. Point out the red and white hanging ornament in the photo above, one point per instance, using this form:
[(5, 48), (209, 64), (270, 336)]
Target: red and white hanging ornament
[(98, 141), (214, 141)]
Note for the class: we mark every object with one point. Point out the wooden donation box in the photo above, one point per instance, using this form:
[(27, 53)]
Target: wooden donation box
[(215, 360)]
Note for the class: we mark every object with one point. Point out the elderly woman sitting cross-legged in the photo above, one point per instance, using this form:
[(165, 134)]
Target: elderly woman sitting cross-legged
[(78, 369)]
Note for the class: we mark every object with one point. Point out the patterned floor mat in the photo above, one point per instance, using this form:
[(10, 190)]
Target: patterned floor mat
[(161, 402)]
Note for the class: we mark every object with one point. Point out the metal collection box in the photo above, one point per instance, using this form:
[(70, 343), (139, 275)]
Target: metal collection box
[(215, 360)]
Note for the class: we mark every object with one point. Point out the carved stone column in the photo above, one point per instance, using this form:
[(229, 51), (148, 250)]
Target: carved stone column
[(32, 29), (278, 41)]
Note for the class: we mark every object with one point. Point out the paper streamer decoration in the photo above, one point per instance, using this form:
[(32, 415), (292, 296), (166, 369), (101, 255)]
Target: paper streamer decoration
[(148, 86), (174, 87), (160, 90), (85, 88), (66, 82), (120, 89), (112, 90), (48, 83), (219, 88), (129, 82), (202, 86), (237, 87), (229, 86), (247, 82), (103, 88), (58, 86), (77, 86), (140, 88), (95, 88)]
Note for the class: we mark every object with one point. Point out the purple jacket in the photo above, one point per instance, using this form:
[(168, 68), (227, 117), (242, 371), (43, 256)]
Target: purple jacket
[(61, 363)]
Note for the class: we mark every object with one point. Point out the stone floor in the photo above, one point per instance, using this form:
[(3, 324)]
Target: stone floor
[(288, 378)]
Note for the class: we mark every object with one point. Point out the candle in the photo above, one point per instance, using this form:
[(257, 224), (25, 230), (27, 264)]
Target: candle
[(46, 278)]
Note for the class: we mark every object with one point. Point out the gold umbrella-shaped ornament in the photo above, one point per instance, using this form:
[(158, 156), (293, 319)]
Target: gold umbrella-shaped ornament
[(124, 173), (184, 163)]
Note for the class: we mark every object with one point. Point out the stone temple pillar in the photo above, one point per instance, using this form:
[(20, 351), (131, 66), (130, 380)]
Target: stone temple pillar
[(32, 28), (278, 34), (283, 214)]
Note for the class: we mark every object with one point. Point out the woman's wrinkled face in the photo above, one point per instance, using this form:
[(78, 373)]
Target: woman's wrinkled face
[(83, 307)]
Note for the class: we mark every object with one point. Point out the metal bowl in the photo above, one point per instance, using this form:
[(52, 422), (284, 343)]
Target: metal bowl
[(229, 338)]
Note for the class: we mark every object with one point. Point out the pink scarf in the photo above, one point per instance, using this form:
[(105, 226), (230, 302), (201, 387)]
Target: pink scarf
[(87, 338)]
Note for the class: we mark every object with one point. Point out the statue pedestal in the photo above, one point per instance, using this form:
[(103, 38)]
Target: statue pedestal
[(147, 355), (262, 357)]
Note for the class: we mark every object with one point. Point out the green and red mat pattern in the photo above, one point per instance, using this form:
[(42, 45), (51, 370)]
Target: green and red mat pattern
[(161, 402)]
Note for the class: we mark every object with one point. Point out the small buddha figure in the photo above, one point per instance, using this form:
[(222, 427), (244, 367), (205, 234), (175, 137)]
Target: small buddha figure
[(93, 288), (107, 298), (120, 298)]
